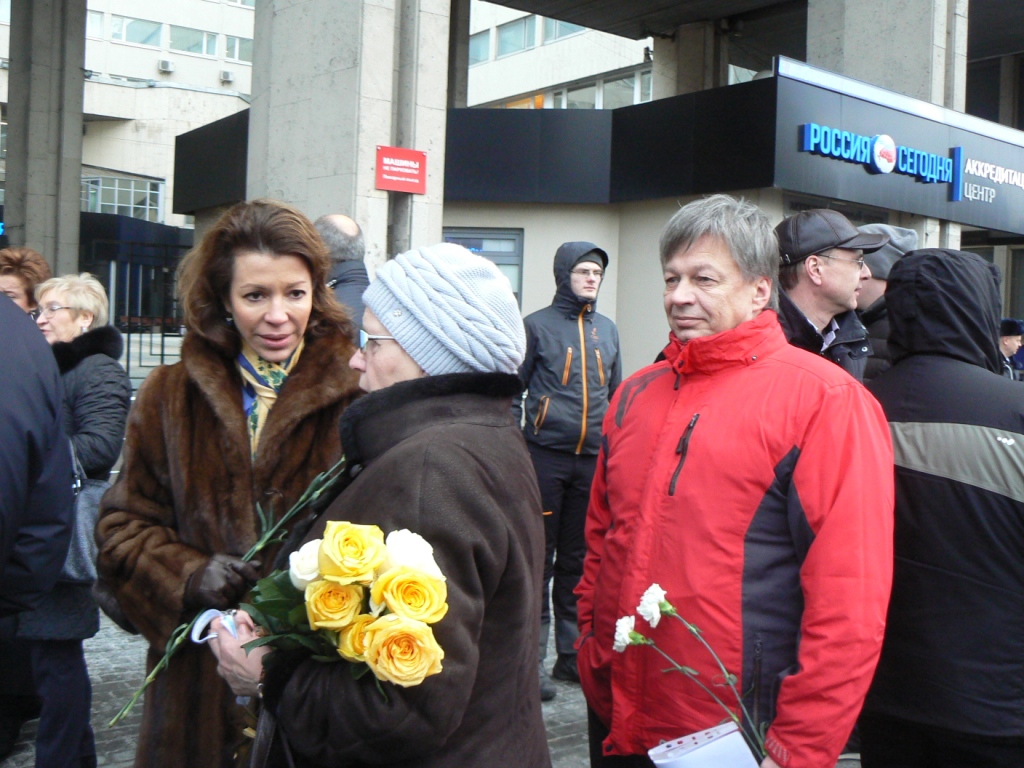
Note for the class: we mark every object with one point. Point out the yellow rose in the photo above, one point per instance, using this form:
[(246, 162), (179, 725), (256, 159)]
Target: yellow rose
[(352, 639), (402, 651), (349, 553), (411, 593), (333, 606)]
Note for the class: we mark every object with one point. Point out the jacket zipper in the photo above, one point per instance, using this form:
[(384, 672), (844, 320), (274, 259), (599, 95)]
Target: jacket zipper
[(542, 412), (600, 366), (568, 363), (583, 357), (681, 449)]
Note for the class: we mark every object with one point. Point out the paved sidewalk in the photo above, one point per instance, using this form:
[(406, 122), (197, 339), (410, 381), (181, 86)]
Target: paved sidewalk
[(116, 662)]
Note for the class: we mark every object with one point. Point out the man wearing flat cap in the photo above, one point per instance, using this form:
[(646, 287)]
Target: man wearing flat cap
[(1010, 331), (821, 270), (871, 300), (570, 372)]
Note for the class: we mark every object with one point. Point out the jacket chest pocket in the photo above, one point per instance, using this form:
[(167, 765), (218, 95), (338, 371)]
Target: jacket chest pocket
[(568, 366), (600, 366), (542, 412)]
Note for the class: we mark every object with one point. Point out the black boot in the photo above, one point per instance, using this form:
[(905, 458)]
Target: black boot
[(565, 668), (548, 689)]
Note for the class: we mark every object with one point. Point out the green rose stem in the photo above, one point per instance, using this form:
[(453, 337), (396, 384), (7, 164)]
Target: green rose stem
[(270, 533)]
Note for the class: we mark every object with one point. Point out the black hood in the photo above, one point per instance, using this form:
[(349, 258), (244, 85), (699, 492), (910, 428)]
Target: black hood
[(944, 302), (565, 259)]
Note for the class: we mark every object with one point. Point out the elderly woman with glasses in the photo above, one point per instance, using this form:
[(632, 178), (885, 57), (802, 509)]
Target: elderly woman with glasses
[(249, 416), (71, 312), (432, 448)]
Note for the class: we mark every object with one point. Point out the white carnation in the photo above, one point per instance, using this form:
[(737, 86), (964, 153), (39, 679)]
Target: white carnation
[(650, 604), (623, 628), (412, 550), (303, 564)]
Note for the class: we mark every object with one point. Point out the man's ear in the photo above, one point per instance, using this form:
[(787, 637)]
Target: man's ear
[(762, 293), (812, 268)]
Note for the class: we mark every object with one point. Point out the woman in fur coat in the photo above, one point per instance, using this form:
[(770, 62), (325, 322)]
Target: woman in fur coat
[(248, 416), (72, 314)]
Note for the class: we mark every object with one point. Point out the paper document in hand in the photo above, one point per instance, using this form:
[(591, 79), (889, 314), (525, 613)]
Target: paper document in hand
[(719, 747)]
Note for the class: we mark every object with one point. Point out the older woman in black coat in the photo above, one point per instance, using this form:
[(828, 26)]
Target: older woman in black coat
[(72, 314), (432, 448)]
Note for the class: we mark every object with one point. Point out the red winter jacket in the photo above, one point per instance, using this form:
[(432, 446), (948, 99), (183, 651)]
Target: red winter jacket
[(754, 482)]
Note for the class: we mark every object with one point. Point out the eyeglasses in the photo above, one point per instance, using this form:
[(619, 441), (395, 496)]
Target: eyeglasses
[(859, 262), (365, 338), (50, 311), (588, 273)]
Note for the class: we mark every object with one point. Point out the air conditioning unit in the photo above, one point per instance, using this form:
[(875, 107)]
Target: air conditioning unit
[(165, 65), (227, 76), (5, 63)]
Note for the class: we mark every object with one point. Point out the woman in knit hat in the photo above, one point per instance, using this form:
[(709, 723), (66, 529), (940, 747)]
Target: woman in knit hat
[(433, 449)]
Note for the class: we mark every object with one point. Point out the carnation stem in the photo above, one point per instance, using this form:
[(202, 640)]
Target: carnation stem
[(268, 535)]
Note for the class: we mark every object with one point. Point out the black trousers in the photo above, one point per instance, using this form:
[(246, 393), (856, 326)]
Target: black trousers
[(889, 742), (64, 739), (564, 480)]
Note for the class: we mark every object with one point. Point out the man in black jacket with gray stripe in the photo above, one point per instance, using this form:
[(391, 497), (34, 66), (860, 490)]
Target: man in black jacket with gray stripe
[(949, 689), (570, 372)]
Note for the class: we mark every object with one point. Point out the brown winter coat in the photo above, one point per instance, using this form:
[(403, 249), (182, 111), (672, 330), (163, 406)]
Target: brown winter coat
[(442, 457), (187, 490)]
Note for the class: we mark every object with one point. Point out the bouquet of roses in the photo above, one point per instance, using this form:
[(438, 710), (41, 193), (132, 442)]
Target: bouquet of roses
[(355, 596)]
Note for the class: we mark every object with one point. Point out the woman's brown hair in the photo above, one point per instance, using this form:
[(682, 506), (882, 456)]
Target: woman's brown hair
[(266, 226), (28, 266)]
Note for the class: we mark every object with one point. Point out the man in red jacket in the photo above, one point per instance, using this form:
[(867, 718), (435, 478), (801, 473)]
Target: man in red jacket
[(753, 481)]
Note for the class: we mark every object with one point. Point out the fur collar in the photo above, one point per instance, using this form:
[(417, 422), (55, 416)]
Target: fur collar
[(386, 417), (105, 340), (320, 379)]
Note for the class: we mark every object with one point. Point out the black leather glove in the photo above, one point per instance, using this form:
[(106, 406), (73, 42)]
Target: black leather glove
[(221, 583)]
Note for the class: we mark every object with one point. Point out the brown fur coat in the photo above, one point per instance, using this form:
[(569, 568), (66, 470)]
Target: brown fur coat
[(187, 490)]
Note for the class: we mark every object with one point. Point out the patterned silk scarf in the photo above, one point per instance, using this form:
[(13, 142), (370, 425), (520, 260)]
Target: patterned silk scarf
[(261, 381)]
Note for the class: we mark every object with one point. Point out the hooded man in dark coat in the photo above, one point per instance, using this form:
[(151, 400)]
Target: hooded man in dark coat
[(949, 689), (570, 372)]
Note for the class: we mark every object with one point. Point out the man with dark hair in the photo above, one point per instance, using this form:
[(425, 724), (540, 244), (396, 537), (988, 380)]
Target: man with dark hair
[(570, 372), (871, 299), (753, 482), (348, 278), (949, 689), (822, 267), (1010, 331)]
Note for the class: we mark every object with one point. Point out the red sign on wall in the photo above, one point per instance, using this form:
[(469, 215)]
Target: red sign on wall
[(401, 170)]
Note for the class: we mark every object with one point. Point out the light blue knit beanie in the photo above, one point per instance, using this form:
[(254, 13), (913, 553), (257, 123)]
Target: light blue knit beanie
[(451, 310)]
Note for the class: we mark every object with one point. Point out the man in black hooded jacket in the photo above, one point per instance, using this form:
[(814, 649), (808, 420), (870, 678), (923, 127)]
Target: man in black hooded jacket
[(949, 688), (570, 372)]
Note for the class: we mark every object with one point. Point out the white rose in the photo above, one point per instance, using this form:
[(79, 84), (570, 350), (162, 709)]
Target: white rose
[(412, 550), (623, 627), (303, 564), (650, 604)]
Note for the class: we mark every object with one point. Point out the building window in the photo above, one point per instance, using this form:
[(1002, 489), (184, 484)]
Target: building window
[(619, 93), (554, 29), (239, 49), (135, 31), (94, 24), (584, 97), (246, 3), (5, 11), (193, 41), (504, 247), (645, 86), (517, 35), (137, 198), (479, 47)]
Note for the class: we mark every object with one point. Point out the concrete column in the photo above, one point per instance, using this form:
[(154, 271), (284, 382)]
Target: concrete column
[(458, 54), (928, 63), (44, 140), (420, 116), (328, 79), (699, 58), (1008, 77)]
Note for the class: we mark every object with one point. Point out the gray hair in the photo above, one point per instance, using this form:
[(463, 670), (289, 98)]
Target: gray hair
[(742, 226), (340, 245), (83, 293)]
